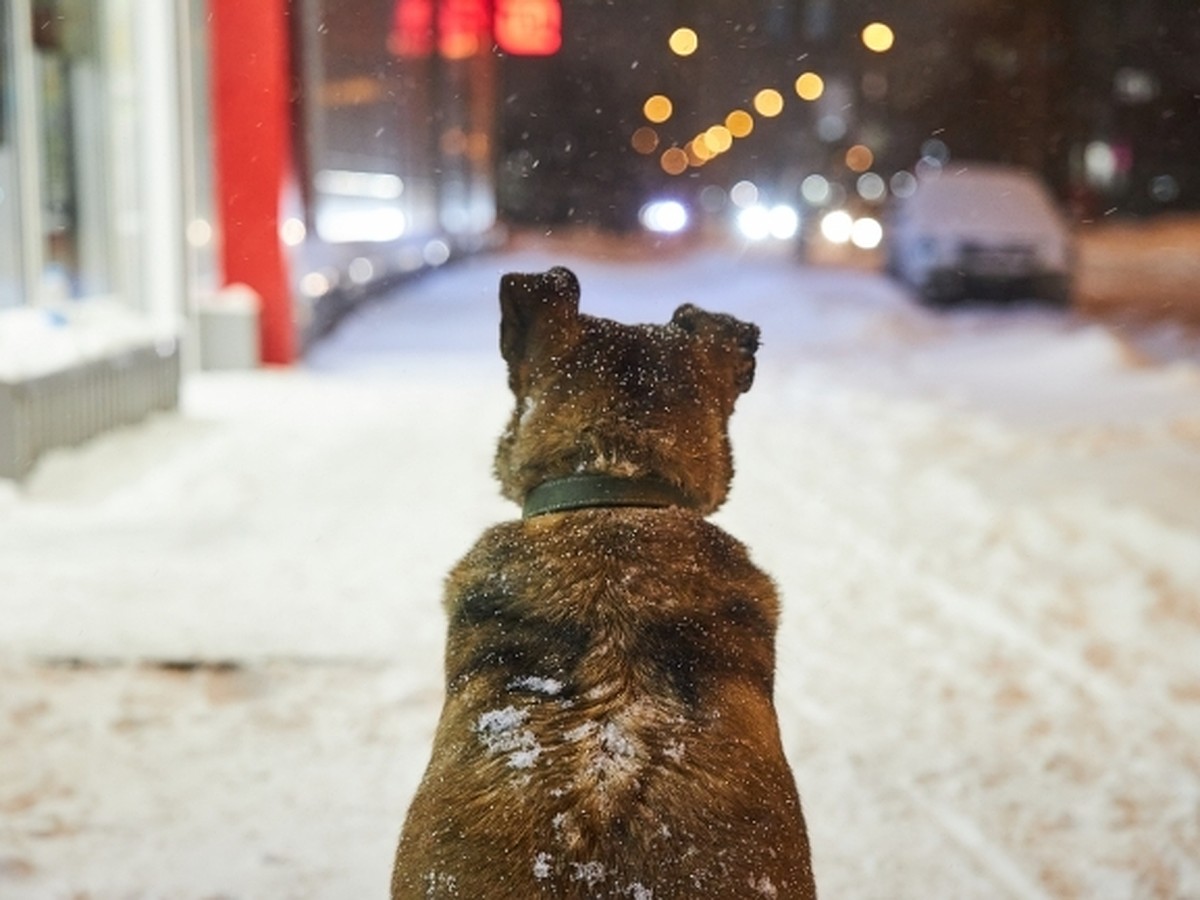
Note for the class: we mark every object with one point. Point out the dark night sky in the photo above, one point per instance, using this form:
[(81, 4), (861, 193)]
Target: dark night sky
[(1023, 81)]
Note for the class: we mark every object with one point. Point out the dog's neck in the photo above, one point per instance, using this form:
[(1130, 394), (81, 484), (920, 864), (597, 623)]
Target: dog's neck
[(591, 491)]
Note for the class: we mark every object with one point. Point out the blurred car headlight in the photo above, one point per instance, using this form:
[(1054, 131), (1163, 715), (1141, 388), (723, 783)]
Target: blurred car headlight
[(837, 226), (754, 222), (664, 216), (783, 222), (758, 222), (866, 233)]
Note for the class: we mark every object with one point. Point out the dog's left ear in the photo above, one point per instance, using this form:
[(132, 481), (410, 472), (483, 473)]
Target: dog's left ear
[(738, 337), (533, 307)]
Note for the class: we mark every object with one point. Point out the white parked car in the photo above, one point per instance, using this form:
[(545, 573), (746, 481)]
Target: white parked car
[(980, 231)]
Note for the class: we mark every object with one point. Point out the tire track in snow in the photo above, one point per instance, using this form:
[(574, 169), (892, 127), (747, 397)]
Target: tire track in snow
[(986, 854), (861, 509)]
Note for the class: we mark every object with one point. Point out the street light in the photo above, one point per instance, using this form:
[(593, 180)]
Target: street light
[(674, 161), (740, 123), (645, 140), (718, 138), (768, 102), (878, 37), (859, 158), (657, 108), (683, 42), (810, 86)]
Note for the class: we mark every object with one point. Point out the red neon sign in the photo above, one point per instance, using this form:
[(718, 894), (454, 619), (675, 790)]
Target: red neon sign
[(463, 28), (412, 28), (529, 27), (522, 27)]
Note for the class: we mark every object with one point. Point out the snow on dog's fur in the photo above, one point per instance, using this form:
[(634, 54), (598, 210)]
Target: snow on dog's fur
[(609, 728)]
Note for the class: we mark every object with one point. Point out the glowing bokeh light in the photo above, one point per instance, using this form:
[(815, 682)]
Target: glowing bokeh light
[(436, 252), (878, 37), (199, 233), (315, 284), (859, 158), (866, 233), (815, 189), (292, 231), (719, 138), (361, 270), (1164, 188), (935, 149), (658, 108), (837, 226), (768, 102), (683, 41), (744, 194), (664, 216), (871, 186), (674, 161), (754, 222), (810, 86), (903, 184), (521, 27), (758, 223), (645, 140), (1100, 163), (784, 222), (740, 123)]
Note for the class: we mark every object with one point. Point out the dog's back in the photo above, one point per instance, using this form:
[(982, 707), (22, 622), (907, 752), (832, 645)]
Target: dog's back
[(609, 729)]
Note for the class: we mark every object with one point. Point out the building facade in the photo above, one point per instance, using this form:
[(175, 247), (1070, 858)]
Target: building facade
[(188, 183), (93, 267)]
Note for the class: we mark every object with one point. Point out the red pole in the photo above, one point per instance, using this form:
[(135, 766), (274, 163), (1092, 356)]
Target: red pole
[(252, 152)]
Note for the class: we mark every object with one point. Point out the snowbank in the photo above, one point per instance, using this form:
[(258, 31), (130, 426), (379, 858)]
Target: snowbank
[(49, 338), (1141, 270)]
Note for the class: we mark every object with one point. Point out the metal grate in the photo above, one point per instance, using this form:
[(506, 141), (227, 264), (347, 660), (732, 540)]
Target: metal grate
[(68, 407)]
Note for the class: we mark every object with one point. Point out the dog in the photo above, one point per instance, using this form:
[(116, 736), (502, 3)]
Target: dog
[(609, 727)]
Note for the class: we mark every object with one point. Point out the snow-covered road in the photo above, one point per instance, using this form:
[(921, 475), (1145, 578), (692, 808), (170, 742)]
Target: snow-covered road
[(985, 527)]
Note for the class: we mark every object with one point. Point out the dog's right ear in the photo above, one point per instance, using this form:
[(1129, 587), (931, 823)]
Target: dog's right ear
[(741, 338), (534, 308)]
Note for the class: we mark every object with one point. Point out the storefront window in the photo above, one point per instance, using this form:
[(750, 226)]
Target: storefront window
[(70, 81), (84, 85), (367, 173), (10, 219), (397, 122), (91, 183), (199, 194)]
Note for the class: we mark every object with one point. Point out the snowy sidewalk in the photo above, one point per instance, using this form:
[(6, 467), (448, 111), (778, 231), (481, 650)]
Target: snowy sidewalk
[(985, 528)]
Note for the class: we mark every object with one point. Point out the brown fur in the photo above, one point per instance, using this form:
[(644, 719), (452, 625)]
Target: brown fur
[(609, 729)]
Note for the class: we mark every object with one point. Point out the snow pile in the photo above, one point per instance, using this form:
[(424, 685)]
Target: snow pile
[(43, 339), (983, 526), (1144, 270)]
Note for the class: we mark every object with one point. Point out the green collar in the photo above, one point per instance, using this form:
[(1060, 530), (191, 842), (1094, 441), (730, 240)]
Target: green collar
[(586, 491)]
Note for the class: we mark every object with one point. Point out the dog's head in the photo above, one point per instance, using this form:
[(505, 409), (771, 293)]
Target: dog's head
[(599, 397)]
